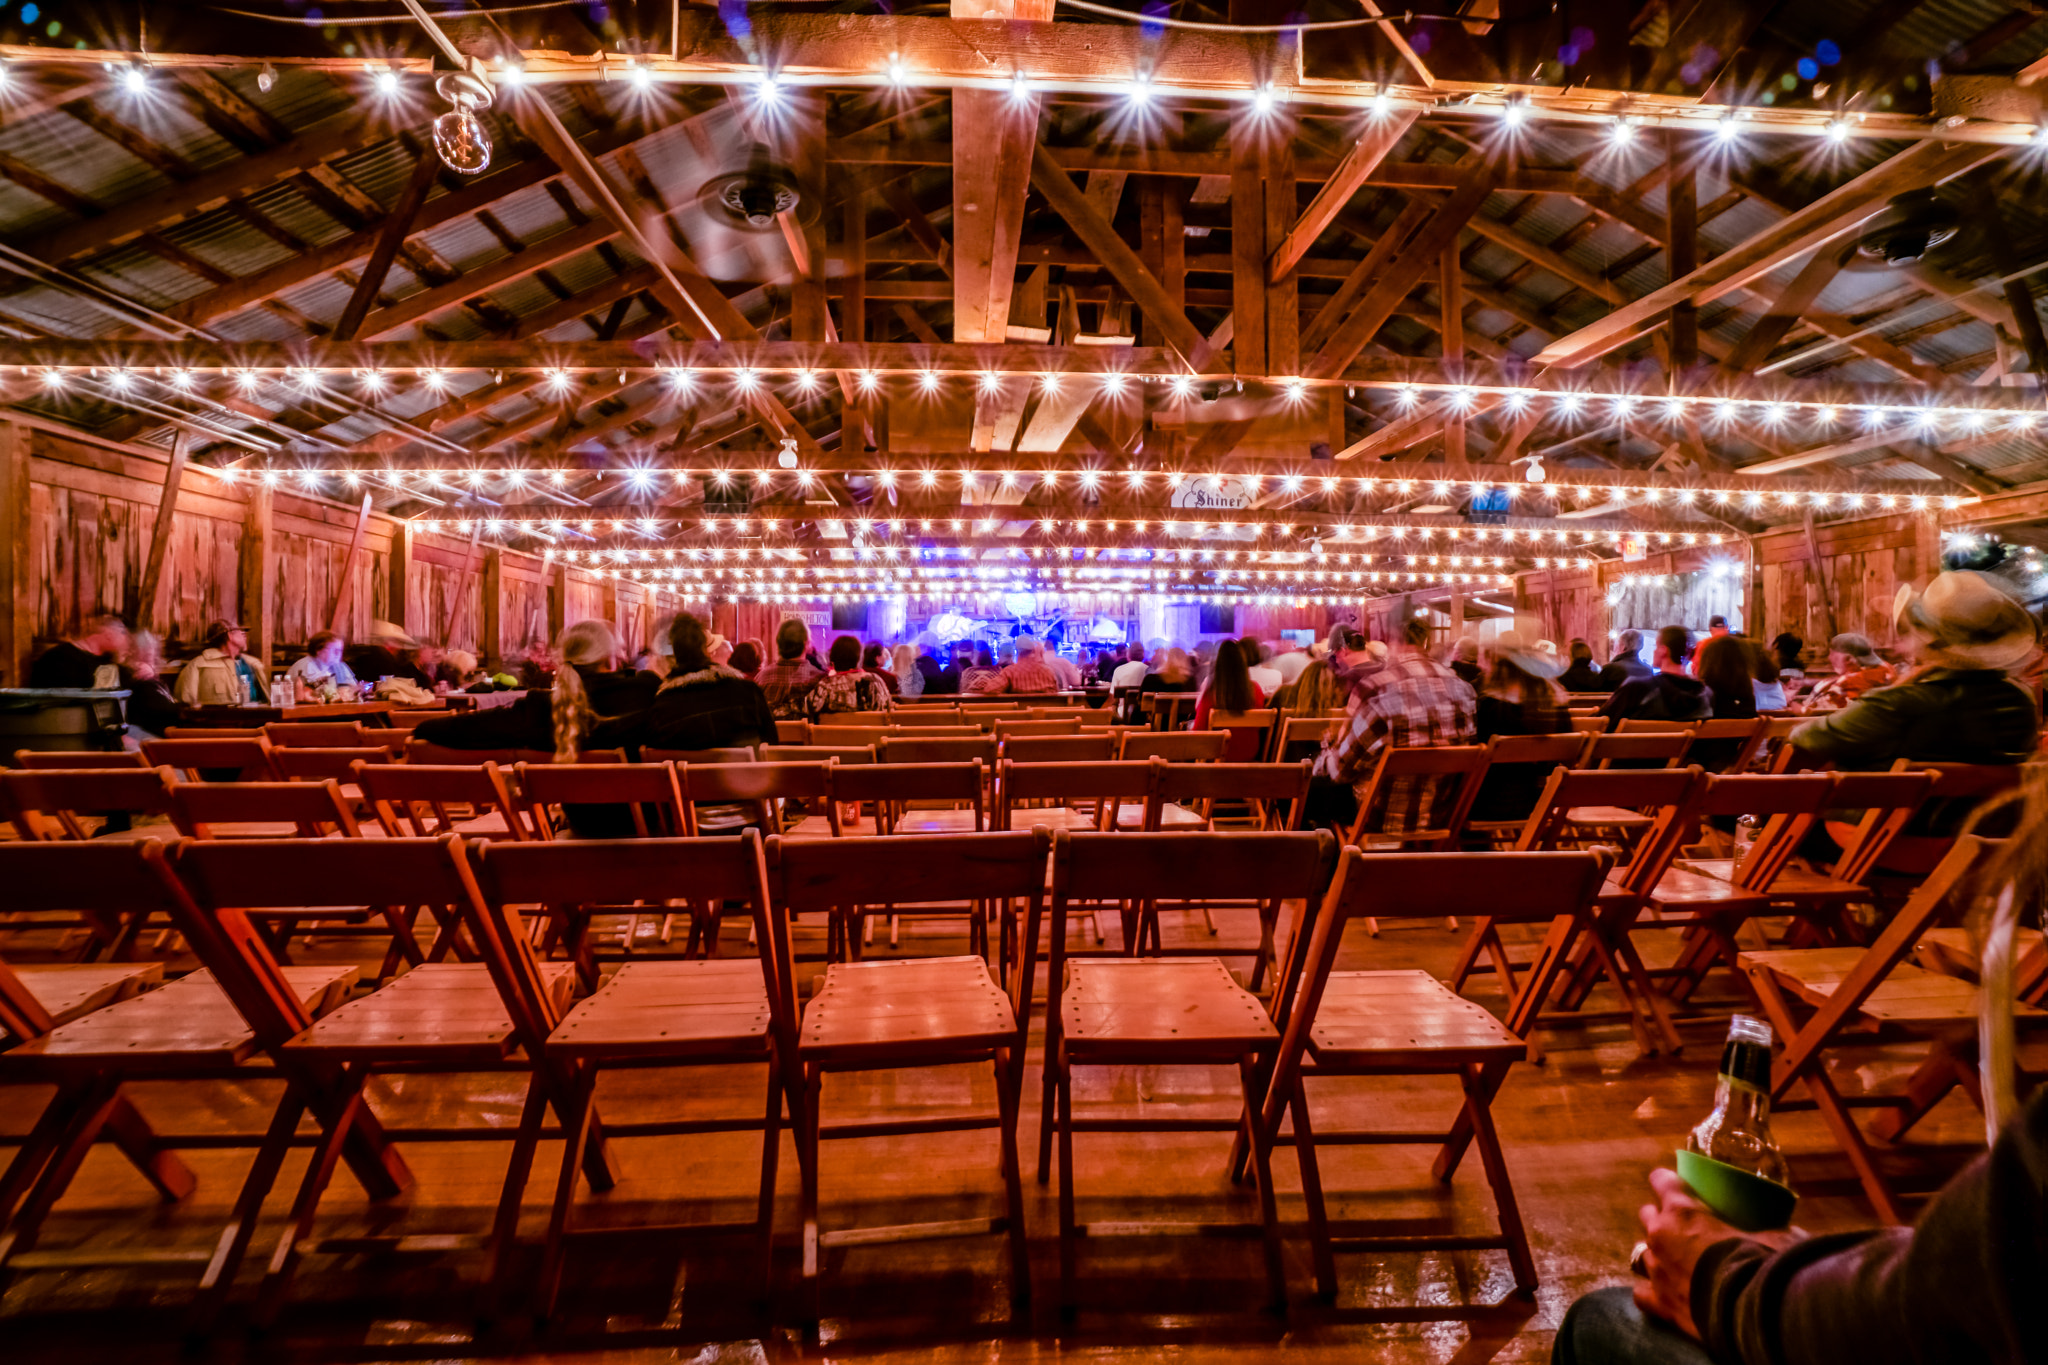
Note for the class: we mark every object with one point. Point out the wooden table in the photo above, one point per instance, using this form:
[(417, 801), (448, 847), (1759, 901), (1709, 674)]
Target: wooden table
[(259, 714)]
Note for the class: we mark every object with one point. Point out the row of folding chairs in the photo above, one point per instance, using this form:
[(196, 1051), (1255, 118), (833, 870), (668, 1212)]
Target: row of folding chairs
[(249, 1018)]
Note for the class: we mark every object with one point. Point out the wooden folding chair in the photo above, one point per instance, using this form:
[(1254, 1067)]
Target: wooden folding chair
[(316, 734), (1153, 1011), (1407, 1023), (1602, 946), (299, 810), (52, 803), (1092, 718), (1300, 737), (829, 734), (1959, 789), (1099, 747), (905, 1013), (732, 754), (1711, 910), (1588, 725), (806, 753), (1658, 749), (1418, 799), (427, 799), (652, 798), (1169, 710), (205, 1026), (1510, 760), (248, 758), (1250, 733), (307, 763), (1081, 795), (1067, 725), (1888, 802), (439, 1018), (653, 1014), (1773, 736), (792, 731), (723, 798), (79, 758), (1726, 746), (1823, 1000), (1180, 746), (919, 748), (949, 798)]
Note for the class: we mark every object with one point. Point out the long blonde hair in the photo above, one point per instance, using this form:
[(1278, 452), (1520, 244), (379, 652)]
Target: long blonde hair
[(586, 642)]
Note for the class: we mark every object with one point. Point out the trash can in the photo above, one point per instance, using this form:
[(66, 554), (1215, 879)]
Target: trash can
[(59, 720)]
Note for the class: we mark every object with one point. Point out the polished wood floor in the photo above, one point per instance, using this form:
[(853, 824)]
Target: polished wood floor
[(1581, 1130)]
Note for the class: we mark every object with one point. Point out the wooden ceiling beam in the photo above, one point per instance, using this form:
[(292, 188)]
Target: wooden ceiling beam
[(1835, 213), (991, 179), (1789, 307), (1379, 139), (471, 284)]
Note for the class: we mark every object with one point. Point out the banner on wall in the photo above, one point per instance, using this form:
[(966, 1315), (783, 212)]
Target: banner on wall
[(1223, 495), (815, 619)]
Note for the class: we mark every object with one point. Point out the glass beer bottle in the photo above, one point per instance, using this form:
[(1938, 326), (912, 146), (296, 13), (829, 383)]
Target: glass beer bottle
[(1738, 1132)]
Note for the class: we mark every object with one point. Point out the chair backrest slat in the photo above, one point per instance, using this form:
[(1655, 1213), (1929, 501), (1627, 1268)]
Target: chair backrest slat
[(807, 753), (312, 808), (641, 787), (63, 794), (44, 758), (1392, 806), (918, 748), (398, 791), (1190, 746), (1661, 749), (316, 734), (339, 764), (249, 755), (737, 753), (1070, 748)]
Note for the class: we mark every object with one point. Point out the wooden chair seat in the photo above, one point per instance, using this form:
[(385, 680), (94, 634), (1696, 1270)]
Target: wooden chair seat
[(1160, 1008), (438, 1009), (1615, 817), (1908, 995), (1793, 883), (1405, 1018), (189, 1021), (937, 1005), (1682, 890), (70, 990), (670, 1009), (491, 825), (1951, 952)]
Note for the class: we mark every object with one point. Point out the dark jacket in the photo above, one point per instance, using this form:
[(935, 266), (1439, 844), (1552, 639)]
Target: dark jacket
[(529, 723), (373, 663), (713, 708), (1621, 669), (1470, 674), (1511, 789), (1962, 1284), (1944, 715), (1583, 677), (66, 665), (150, 704), (1662, 696)]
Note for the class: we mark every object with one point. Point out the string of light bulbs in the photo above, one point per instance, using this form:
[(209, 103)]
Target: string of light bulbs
[(1817, 414)]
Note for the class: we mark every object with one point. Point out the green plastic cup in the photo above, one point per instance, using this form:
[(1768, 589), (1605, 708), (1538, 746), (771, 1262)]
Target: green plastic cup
[(1739, 1198)]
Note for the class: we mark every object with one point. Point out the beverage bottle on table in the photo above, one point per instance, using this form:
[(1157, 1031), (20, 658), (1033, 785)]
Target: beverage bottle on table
[(1738, 1132)]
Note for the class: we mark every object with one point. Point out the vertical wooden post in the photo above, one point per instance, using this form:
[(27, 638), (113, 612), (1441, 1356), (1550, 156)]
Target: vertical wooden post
[(608, 603), (397, 570), (1283, 297), (147, 617), (558, 600), (806, 131), (1248, 245), (1820, 577), (1451, 293), (258, 592), (459, 608), (490, 643), (17, 578), (344, 591), (1681, 218)]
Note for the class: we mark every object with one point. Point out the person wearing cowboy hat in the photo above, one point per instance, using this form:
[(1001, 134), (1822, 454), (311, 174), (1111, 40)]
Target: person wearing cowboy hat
[(224, 674), (1959, 705), (389, 653), (1518, 695), (1858, 669)]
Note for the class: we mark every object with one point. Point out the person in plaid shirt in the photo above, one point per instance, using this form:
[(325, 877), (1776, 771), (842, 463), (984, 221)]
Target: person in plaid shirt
[(1028, 674), (1408, 702)]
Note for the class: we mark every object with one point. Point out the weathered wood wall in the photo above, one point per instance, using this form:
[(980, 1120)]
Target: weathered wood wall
[(86, 512)]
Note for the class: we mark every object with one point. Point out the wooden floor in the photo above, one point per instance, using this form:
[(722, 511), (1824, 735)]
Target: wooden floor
[(1581, 1132)]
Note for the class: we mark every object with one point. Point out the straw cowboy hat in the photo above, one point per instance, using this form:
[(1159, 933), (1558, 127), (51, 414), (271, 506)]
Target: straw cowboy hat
[(1519, 646), (383, 632), (1968, 619)]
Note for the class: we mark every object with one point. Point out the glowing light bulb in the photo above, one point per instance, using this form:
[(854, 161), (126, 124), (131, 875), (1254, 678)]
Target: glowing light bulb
[(1623, 133), (385, 82), (1837, 131), (135, 79)]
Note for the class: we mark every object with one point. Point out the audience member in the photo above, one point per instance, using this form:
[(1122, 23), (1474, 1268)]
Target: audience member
[(1583, 675), (537, 666), (1312, 695), (91, 661), (789, 680), (391, 653), (1765, 680), (1518, 697), (980, 675), (1409, 701), (1627, 663), (151, 709), (849, 687), (1029, 674), (943, 679), (1231, 690), (223, 674), (746, 658), (1289, 663), (1257, 662), (591, 693), (1066, 670), (910, 679), (1858, 669), (1722, 666), (464, 673), (1131, 673), (1465, 662), (1669, 693), (321, 674), (877, 663), (1108, 662), (701, 705), (1791, 652), (1959, 705), (654, 660), (1176, 673)]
